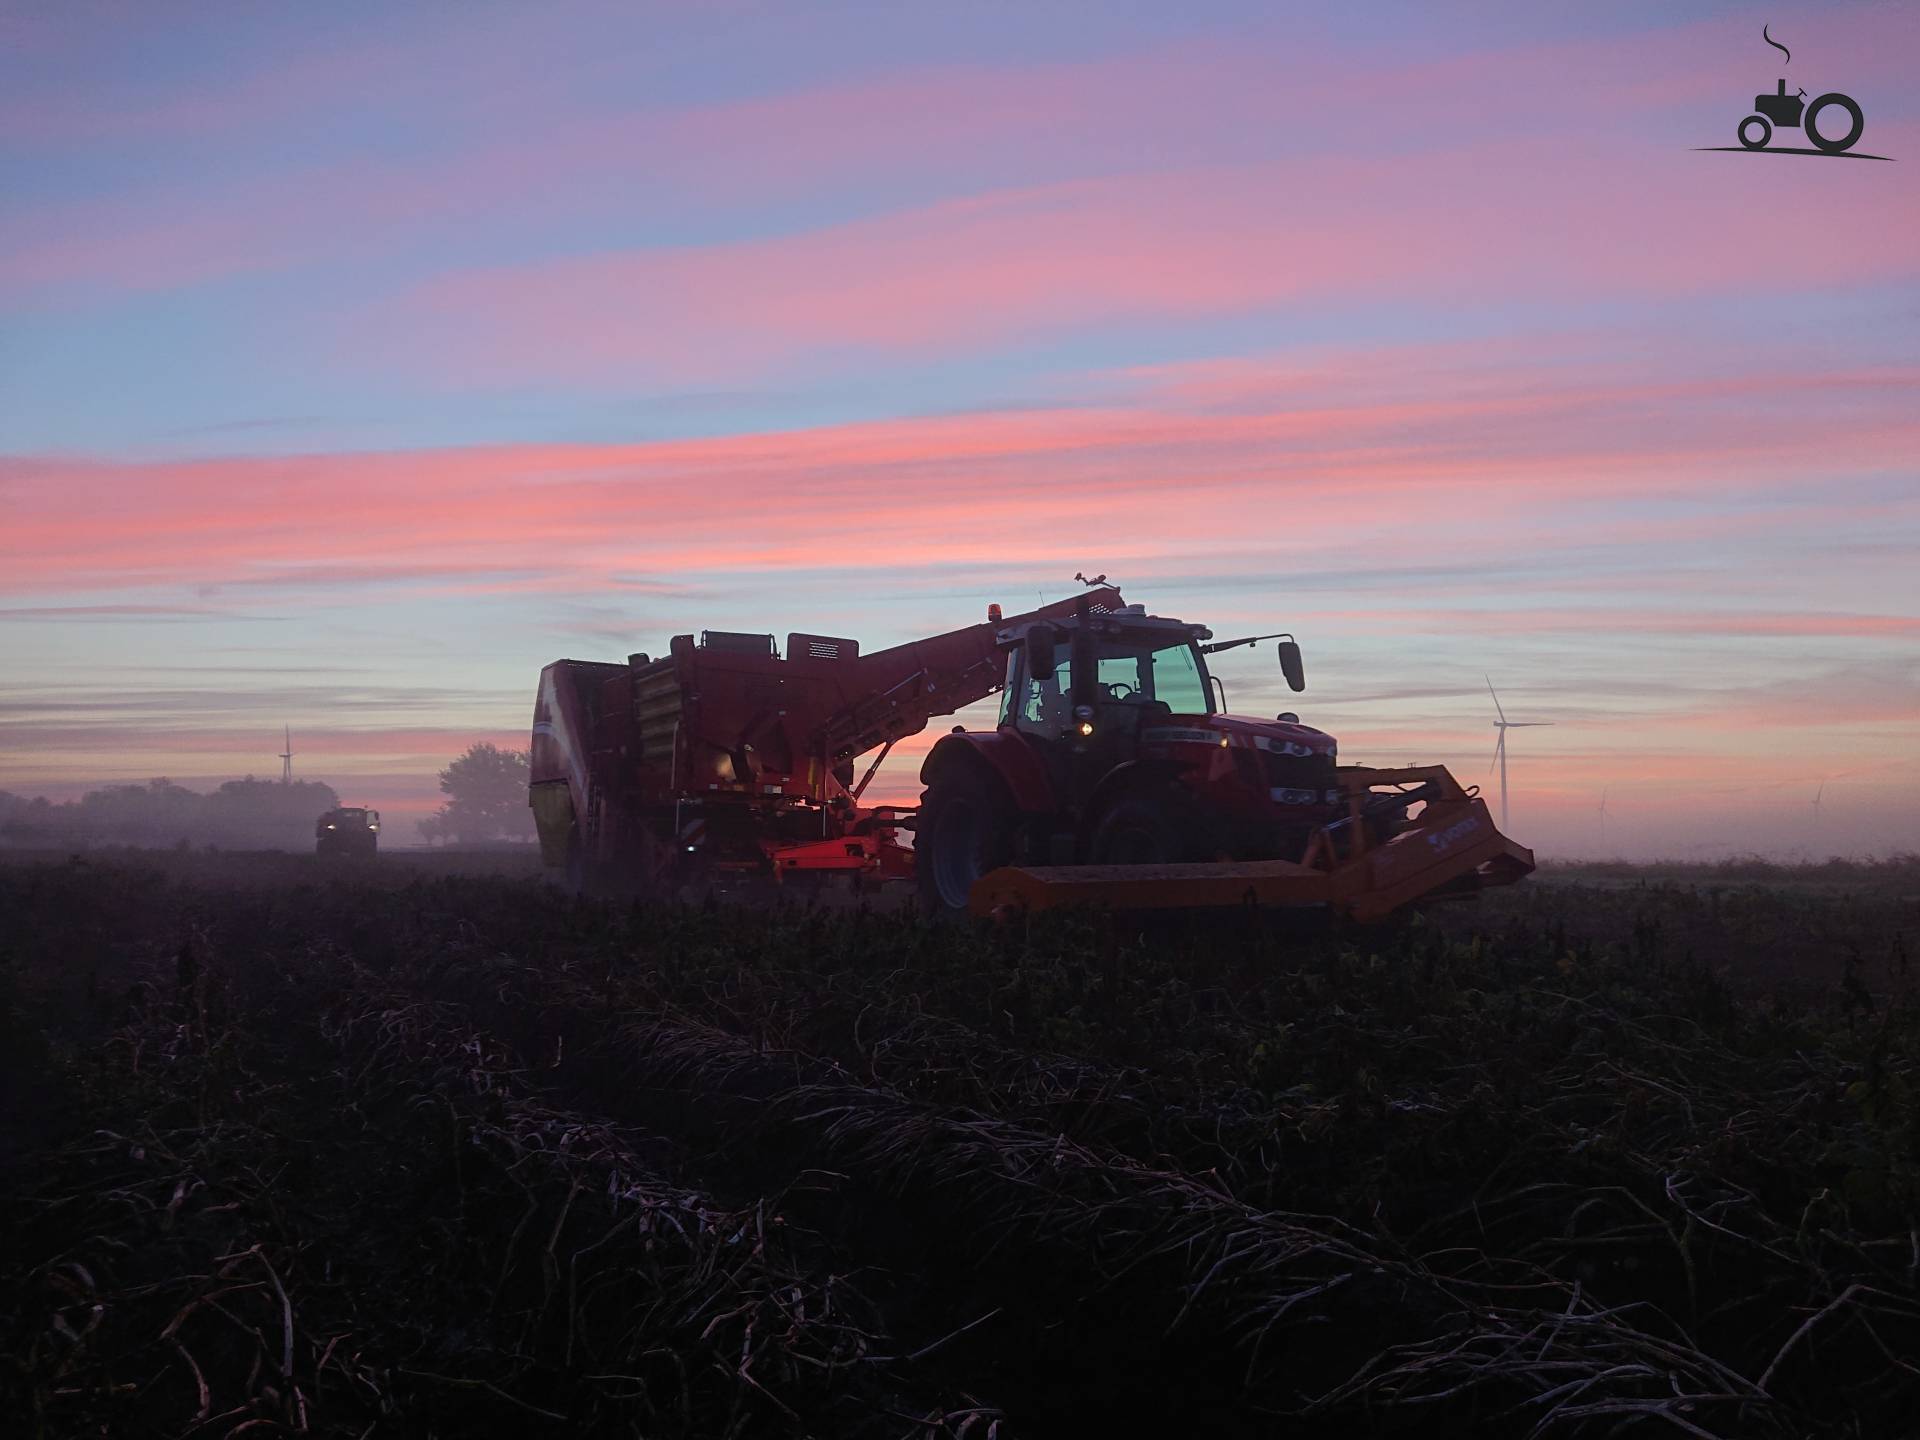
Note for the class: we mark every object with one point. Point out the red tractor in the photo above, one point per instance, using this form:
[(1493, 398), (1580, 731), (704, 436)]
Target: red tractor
[(1111, 779)]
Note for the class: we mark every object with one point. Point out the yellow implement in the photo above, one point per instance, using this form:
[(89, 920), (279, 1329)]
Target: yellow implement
[(1452, 847)]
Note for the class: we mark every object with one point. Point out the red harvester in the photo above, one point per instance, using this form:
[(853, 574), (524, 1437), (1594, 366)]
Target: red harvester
[(1111, 779)]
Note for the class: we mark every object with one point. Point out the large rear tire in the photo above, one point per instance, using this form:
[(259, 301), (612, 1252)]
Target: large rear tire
[(1857, 122), (965, 829)]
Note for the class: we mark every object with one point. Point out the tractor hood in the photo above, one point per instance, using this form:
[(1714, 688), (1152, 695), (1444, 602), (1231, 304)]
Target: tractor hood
[(1286, 732), (1283, 736)]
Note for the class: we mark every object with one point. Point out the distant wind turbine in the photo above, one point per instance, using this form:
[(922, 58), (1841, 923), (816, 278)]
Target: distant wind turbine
[(1502, 725), (1603, 815), (286, 757), (1816, 801)]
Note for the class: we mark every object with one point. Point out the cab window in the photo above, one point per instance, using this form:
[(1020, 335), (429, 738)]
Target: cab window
[(1045, 706), (1120, 678), (1176, 679), (1169, 675)]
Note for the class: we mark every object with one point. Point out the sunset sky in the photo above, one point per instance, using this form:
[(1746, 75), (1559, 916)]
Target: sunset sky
[(358, 359)]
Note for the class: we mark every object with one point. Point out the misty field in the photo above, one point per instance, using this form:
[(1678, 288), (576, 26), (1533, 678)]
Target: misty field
[(382, 1149)]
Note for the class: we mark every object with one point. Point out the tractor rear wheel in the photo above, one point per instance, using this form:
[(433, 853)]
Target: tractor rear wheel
[(1834, 145), (965, 829)]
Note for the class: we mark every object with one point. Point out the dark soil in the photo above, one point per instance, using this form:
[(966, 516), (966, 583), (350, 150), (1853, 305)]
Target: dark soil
[(385, 1149)]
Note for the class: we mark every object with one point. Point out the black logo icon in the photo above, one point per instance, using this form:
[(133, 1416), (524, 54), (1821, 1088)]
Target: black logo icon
[(1792, 112)]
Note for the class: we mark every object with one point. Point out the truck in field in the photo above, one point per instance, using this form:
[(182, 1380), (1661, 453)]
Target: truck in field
[(348, 830)]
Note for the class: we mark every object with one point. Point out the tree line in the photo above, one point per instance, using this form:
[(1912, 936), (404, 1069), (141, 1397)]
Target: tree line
[(244, 814), (486, 790), (485, 786)]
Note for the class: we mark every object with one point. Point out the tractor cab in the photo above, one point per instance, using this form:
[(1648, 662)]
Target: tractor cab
[(1083, 696), (1780, 107), (1113, 670), (1117, 677)]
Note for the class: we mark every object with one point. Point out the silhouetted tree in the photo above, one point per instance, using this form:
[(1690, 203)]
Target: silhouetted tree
[(30, 822), (156, 813), (266, 812), (487, 795), (241, 814)]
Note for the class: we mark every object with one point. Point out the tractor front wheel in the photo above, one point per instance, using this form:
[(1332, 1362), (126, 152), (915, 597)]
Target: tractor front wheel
[(1144, 826), (965, 829)]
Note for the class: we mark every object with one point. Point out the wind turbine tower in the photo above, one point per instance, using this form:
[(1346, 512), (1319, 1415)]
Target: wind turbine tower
[(1502, 725), (286, 757), (1603, 815)]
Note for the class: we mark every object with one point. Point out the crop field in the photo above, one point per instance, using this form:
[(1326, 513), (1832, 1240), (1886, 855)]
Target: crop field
[(386, 1149)]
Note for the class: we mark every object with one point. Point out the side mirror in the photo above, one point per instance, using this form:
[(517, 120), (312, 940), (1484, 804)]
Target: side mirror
[(1290, 665), (1041, 640)]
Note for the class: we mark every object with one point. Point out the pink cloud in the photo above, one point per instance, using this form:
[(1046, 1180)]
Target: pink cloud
[(1534, 619), (1614, 116), (1522, 220), (1302, 463)]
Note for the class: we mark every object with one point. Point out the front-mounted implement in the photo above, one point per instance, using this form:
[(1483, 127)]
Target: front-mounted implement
[(1450, 849)]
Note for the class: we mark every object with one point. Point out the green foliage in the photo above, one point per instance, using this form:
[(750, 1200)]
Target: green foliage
[(487, 797)]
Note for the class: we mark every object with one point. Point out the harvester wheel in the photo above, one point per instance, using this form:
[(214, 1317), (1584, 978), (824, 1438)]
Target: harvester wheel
[(574, 878), (1147, 826), (965, 829)]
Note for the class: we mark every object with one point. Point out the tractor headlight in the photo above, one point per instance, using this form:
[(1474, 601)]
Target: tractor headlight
[(1086, 727), (1083, 712)]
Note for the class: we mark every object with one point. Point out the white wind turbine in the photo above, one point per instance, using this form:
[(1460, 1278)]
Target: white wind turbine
[(1500, 746), (1603, 815)]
